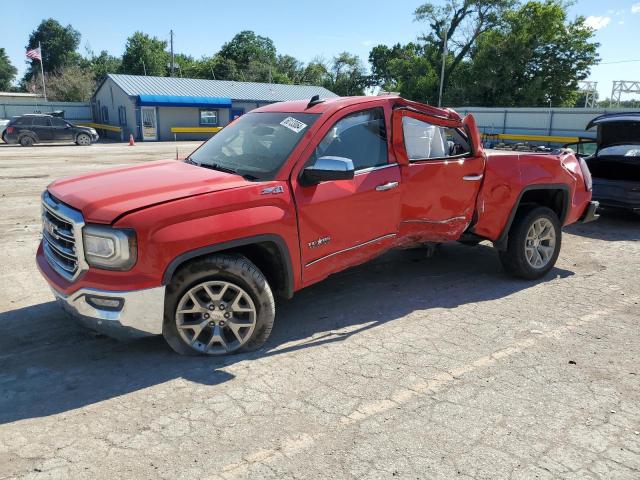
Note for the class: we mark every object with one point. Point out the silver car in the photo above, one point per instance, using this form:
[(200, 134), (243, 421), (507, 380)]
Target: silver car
[(3, 126)]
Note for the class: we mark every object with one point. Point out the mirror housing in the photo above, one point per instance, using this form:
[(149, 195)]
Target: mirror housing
[(326, 169)]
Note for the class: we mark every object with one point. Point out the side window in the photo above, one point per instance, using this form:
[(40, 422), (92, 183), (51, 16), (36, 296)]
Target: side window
[(58, 122), (22, 121), (41, 122), (360, 136), (209, 117), (122, 115), (424, 140)]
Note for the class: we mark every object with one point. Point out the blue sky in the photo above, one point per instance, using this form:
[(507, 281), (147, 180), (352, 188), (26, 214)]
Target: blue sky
[(302, 29)]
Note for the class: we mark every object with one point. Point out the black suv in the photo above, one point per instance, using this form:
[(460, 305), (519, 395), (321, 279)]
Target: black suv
[(29, 129)]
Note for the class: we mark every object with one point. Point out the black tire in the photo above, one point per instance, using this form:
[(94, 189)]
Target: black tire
[(514, 258), (231, 268), (27, 141), (83, 139)]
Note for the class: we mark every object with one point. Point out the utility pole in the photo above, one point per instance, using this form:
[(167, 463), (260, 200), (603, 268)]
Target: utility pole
[(444, 58), (173, 58)]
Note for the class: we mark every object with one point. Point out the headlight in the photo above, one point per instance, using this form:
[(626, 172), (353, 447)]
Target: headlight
[(109, 248)]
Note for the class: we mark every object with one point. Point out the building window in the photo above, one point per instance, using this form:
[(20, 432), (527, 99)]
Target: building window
[(122, 115), (105, 114), (209, 117)]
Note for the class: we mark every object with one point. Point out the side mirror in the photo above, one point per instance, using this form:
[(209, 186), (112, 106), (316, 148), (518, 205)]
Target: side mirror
[(326, 169)]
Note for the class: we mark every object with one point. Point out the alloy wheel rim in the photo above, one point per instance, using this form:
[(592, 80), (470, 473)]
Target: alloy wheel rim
[(83, 140), (216, 317), (540, 243)]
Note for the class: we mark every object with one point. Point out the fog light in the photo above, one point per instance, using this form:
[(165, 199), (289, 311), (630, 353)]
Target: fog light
[(105, 303)]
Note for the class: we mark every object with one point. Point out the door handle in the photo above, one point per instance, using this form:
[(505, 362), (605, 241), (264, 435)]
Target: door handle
[(472, 178), (386, 186)]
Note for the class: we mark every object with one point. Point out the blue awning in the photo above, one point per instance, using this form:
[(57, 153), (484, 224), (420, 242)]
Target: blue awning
[(183, 101)]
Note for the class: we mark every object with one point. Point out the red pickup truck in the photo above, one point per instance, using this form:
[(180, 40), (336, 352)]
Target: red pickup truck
[(280, 199)]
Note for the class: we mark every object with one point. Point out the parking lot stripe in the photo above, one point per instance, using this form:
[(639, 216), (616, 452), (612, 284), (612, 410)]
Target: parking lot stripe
[(294, 445)]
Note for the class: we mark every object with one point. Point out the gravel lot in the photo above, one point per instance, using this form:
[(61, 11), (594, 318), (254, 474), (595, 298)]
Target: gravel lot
[(407, 367)]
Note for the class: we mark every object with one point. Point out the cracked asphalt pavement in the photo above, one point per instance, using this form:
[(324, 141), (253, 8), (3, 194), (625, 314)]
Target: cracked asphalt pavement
[(406, 367)]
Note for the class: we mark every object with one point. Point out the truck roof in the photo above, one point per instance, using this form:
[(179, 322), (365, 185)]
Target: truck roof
[(330, 105), (327, 104)]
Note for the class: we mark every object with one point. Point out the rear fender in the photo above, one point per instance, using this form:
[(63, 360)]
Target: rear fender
[(501, 241)]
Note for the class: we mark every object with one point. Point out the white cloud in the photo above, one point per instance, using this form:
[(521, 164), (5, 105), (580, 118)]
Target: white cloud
[(635, 8), (597, 23)]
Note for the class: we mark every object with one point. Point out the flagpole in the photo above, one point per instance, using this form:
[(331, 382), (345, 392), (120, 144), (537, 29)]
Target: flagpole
[(44, 87)]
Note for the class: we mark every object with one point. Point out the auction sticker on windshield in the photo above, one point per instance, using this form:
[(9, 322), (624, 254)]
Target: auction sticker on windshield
[(293, 124)]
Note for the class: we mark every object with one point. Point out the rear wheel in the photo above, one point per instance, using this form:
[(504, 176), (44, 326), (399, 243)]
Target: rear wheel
[(218, 305), (534, 243), (27, 141), (83, 139)]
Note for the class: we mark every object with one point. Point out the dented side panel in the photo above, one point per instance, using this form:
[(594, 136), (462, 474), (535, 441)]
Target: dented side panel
[(438, 195), (508, 175)]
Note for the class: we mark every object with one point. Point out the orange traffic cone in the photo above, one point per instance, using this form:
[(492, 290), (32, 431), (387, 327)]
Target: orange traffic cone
[(131, 142)]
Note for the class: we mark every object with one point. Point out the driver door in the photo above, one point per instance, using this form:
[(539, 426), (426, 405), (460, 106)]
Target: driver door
[(61, 130), (346, 222)]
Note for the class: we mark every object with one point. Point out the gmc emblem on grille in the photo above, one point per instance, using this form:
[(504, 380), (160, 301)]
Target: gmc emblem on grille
[(49, 227)]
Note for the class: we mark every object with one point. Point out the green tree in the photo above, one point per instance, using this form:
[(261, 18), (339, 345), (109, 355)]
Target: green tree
[(188, 67), (536, 59), (102, 64), (461, 22), (145, 55), (247, 47), (59, 45), (315, 73), (288, 69), (7, 71), (386, 64), (67, 84), (347, 75)]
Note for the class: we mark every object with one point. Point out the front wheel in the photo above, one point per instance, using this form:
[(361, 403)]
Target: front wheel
[(534, 243), (218, 305)]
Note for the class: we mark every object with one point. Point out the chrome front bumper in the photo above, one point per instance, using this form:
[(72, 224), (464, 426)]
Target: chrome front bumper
[(136, 313)]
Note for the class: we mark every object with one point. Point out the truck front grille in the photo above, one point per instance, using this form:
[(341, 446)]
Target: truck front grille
[(62, 237)]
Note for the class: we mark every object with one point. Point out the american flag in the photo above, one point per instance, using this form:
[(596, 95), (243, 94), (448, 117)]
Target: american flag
[(34, 54)]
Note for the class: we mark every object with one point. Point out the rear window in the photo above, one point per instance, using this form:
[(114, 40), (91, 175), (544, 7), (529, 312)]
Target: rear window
[(620, 151), (21, 121)]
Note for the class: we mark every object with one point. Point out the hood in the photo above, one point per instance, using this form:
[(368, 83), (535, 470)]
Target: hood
[(106, 195), (617, 129)]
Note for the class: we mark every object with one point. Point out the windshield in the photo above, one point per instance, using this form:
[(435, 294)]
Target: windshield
[(620, 151), (256, 145)]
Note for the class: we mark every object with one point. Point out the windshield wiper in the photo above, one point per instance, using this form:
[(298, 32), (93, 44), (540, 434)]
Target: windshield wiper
[(220, 168), (217, 166)]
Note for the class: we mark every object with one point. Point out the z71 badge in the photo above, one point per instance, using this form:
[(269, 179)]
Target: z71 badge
[(319, 242)]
